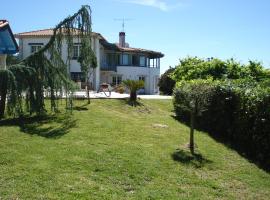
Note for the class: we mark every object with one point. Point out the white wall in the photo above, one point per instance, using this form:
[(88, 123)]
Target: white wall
[(127, 72), (25, 51), (25, 48), (133, 73)]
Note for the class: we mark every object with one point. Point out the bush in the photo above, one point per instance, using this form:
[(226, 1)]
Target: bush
[(237, 112), (133, 86), (194, 97), (166, 83), (196, 68), (120, 89)]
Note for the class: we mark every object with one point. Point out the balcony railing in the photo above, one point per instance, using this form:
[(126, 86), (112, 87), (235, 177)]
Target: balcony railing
[(104, 66), (108, 68)]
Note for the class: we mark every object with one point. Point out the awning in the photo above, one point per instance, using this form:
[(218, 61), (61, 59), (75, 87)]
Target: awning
[(8, 44)]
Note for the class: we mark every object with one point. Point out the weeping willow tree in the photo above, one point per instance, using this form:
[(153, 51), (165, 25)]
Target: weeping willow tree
[(45, 74)]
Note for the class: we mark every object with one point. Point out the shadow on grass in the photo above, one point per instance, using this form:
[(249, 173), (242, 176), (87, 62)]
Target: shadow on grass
[(137, 104), (82, 107), (222, 139), (185, 157), (48, 126), (133, 103)]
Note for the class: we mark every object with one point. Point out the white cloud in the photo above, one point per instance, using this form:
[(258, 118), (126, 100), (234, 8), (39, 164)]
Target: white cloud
[(160, 4)]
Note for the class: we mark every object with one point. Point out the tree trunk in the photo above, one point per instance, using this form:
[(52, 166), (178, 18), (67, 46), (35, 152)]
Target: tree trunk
[(87, 91), (133, 96), (192, 124), (3, 85), (3, 95)]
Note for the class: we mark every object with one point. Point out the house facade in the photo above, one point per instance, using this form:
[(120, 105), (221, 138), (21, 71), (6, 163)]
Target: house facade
[(115, 61)]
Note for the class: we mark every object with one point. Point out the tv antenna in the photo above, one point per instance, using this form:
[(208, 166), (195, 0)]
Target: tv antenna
[(123, 20)]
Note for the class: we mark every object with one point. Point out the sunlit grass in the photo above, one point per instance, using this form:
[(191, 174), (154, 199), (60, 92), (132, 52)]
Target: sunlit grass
[(111, 150)]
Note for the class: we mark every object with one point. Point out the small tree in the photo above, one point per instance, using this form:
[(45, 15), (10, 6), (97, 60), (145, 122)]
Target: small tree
[(88, 61), (133, 86), (193, 97), (166, 83), (87, 58)]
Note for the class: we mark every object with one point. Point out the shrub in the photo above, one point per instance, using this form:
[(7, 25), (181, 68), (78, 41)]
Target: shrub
[(239, 113), (133, 86), (194, 96), (120, 89), (196, 68), (166, 83)]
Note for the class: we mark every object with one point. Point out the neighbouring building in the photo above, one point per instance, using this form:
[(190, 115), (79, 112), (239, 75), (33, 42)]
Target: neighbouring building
[(116, 62)]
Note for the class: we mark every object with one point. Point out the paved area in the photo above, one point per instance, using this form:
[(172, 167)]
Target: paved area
[(115, 95)]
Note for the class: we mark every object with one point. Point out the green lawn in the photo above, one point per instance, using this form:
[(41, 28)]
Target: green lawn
[(110, 150)]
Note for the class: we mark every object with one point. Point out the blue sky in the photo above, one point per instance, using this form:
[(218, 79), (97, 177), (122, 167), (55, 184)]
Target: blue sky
[(178, 28)]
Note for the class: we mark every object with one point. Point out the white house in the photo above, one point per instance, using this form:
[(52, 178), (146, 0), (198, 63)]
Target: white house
[(116, 62)]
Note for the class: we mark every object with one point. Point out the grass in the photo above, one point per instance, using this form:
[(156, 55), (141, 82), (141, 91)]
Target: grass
[(110, 150)]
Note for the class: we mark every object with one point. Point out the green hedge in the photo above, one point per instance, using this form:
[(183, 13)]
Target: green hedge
[(238, 112)]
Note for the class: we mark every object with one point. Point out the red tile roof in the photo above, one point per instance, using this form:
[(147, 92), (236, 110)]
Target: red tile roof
[(139, 50), (45, 33), (116, 47), (49, 33)]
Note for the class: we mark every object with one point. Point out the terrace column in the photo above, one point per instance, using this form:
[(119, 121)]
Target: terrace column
[(97, 70), (3, 58)]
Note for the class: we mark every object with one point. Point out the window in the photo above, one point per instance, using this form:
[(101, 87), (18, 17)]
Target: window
[(125, 59), (35, 48), (116, 80), (76, 51), (77, 76), (142, 61), (111, 59), (135, 60), (142, 78)]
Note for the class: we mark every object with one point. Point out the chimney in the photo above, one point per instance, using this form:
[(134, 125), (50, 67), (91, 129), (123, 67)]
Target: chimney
[(122, 39)]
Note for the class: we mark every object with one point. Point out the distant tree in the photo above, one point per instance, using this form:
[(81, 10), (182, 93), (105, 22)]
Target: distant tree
[(88, 62), (234, 69), (133, 86), (189, 68), (193, 97), (256, 71), (166, 83)]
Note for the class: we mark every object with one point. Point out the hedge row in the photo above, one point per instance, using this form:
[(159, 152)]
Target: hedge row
[(237, 112)]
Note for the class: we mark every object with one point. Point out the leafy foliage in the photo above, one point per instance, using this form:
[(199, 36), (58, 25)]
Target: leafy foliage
[(238, 112), (12, 60), (133, 86), (87, 58), (196, 68), (45, 70), (192, 98), (166, 83)]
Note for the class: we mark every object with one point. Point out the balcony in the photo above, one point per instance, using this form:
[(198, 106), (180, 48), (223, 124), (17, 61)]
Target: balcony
[(112, 61), (107, 67)]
